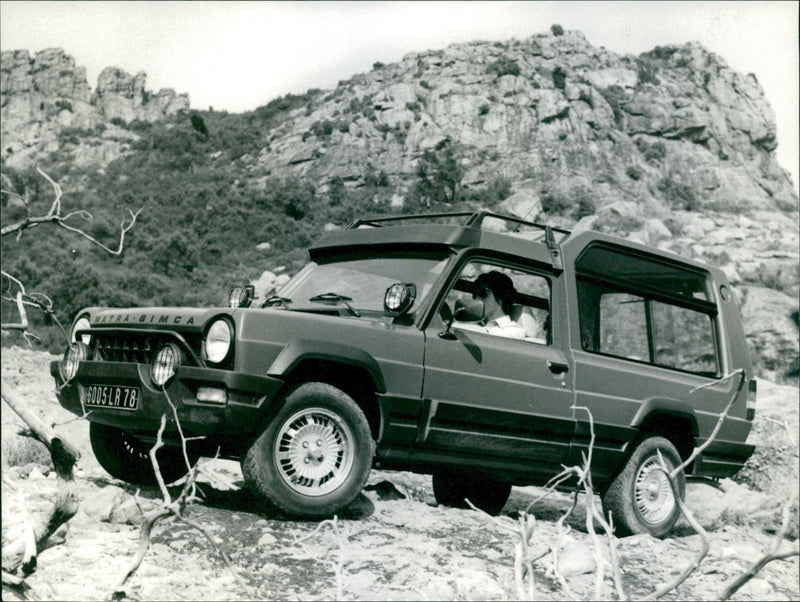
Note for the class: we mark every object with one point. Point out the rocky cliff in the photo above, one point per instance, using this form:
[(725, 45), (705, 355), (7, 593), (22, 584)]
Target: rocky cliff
[(671, 147), (41, 96)]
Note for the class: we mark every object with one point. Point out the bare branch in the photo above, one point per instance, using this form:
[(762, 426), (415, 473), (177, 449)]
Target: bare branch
[(64, 456), (786, 426), (701, 448), (54, 216)]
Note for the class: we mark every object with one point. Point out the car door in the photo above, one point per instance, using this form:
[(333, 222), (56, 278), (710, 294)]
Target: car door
[(494, 400)]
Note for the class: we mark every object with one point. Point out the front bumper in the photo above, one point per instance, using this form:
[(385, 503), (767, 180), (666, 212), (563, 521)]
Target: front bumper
[(248, 395)]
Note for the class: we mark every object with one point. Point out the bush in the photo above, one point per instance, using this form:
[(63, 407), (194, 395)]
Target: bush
[(679, 194), (504, 66), (377, 65), (559, 78), (647, 72), (557, 30), (575, 202), (19, 451), (634, 172), (655, 153), (439, 173), (615, 97), (483, 109)]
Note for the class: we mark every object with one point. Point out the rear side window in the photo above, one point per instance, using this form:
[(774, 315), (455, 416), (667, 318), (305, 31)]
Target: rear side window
[(660, 325)]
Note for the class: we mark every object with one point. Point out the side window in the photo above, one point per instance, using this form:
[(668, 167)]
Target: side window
[(642, 329), (623, 326), (683, 339), (523, 302)]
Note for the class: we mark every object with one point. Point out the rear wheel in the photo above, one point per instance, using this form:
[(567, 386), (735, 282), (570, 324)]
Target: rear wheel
[(640, 499), (453, 488), (314, 457), (127, 458)]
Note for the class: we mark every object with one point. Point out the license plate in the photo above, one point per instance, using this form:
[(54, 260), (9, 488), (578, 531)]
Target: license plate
[(112, 396)]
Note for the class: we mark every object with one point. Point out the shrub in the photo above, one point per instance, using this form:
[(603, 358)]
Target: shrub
[(559, 78), (655, 153), (377, 65), (615, 97), (557, 30), (376, 178), (679, 194), (19, 451), (439, 173), (634, 172), (483, 109), (504, 66), (647, 72)]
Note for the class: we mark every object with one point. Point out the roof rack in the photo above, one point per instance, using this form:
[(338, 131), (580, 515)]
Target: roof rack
[(474, 220)]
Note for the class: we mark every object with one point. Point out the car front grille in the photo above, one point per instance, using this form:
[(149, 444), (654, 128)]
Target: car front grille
[(129, 347)]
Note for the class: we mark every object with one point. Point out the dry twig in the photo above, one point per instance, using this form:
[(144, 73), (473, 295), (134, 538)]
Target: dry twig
[(64, 456)]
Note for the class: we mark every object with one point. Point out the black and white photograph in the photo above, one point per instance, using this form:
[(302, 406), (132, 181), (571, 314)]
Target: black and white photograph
[(372, 300)]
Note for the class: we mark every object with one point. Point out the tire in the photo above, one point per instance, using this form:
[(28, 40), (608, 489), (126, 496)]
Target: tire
[(313, 459), (640, 498), (453, 488), (127, 458)]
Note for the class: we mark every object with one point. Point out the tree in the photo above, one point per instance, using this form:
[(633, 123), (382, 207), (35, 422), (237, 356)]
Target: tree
[(439, 173)]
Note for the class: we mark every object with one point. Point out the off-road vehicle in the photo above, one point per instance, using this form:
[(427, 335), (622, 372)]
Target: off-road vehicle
[(370, 356)]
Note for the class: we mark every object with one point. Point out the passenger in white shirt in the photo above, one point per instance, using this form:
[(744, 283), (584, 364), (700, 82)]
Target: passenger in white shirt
[(496, 292)]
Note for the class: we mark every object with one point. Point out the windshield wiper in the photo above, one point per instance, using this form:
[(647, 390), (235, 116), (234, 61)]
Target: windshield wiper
[(336, 298), (276, 299)]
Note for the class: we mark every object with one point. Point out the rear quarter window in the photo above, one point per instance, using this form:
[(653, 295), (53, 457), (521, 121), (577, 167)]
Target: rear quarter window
[(646, 310)]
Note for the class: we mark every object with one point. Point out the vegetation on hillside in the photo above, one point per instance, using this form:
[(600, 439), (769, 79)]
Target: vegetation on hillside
[(204, 213)]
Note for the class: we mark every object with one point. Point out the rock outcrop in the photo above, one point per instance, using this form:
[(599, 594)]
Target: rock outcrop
[(671, 148), (44, 95)]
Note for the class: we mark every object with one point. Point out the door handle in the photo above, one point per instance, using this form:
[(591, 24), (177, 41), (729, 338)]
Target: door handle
[(557, 367)]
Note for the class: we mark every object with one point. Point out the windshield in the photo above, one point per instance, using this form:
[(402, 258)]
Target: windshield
[(361, 282)]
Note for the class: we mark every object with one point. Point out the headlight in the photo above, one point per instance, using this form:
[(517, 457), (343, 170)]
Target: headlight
[(81, 324), (165, 364), (76, 353), (218, 341)]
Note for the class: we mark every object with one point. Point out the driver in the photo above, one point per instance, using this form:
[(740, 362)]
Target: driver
[(496, 292)]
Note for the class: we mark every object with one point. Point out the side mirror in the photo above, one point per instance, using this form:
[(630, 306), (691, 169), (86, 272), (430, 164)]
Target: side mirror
[(399, 298), (446, 314), (241, 296)]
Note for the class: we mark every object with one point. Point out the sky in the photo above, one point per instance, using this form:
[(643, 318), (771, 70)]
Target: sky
[(240, 55)]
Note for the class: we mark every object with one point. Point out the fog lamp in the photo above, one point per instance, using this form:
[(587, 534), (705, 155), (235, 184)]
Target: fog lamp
[(165, 364), (76, 353), (399, 298), (241, 296)]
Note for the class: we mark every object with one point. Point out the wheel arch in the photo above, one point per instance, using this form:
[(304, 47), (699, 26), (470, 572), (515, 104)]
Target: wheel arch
[(345, 367), (674, 421)]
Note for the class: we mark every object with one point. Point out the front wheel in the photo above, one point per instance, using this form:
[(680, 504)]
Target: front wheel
[(127, 458), (640, 498), (314, 457)]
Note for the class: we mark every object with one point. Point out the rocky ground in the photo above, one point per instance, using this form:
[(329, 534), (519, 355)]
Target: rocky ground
[(394, 542)]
